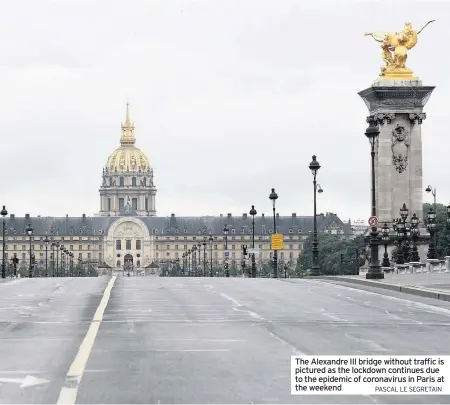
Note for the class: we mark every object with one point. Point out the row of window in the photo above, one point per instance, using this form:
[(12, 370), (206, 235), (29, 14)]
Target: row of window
[(128, 244), (177, 255), (49, 247), (134, 204), (52, 238), (216, 247)]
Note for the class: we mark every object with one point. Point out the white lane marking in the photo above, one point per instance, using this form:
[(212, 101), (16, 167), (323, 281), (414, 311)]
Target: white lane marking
[(234, 301), (259, 317), (28, 381), (373, 345), (331, 316), (68, 394), (36, 339)]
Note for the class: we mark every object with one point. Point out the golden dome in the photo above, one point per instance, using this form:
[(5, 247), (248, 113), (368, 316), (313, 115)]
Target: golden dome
[(127, 158)]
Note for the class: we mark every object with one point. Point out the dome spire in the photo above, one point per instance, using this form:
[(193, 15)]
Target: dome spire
[(127, 137)]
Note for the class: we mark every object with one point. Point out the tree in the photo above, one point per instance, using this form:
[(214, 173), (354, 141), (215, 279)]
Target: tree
[(442, 232), (336, 255)]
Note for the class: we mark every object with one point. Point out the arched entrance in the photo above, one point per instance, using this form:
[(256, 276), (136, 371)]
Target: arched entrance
[(128, 259)]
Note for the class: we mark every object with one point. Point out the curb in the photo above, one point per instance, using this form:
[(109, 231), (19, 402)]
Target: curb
[(407, 289)]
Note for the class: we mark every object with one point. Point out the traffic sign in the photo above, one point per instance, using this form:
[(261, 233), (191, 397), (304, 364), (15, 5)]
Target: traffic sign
[(277, 241), (373, 221), (227, 253)]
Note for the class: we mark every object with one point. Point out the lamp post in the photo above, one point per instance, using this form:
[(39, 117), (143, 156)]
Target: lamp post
[(62, 272), (204, 256), (385, 238), (399, 227), (29, 232), (46, 241), (273, 197), (374, 272), (211, 239), (53, 258), (4, 213), (199, 264), (415, 232), (194, 260), (314, 166), (253, 213), (57, 258), (431, 227), (189, 262), (225, 231)]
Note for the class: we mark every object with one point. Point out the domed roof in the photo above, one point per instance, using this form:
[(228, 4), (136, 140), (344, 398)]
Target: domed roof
[(127, 157)]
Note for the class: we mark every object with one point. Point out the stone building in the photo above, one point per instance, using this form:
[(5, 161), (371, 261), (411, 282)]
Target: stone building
[(127, 230)]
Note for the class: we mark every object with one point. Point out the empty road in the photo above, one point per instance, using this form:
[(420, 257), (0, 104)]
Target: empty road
[(198, 340)]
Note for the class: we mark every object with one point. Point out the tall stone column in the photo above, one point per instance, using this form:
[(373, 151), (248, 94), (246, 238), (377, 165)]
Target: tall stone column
[(398, 105)]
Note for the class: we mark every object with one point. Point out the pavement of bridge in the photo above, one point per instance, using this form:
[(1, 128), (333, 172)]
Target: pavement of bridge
[(186, 340), (42, 324)]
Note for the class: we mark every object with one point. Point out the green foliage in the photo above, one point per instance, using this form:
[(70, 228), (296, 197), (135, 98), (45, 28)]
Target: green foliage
[(443, 233), (331, 247)]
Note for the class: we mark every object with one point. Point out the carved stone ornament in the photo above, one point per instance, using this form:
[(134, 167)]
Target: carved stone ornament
[(417, 118), (400, 146), (384, 118)]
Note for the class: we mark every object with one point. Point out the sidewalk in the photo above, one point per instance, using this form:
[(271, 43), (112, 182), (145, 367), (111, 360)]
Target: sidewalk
[(429, 285)]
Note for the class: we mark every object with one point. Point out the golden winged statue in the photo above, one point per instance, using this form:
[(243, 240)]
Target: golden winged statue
[(395, 47)]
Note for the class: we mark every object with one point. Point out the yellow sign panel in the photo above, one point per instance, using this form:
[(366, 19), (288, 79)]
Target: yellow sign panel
[(277, 241)]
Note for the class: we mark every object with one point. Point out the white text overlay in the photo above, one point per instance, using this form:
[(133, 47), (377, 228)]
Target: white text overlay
[(370, 375)]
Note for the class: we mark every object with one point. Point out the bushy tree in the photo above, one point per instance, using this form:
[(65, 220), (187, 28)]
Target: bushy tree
[(336, 254)]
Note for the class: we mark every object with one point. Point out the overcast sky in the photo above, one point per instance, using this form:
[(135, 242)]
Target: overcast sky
[(229, 97)]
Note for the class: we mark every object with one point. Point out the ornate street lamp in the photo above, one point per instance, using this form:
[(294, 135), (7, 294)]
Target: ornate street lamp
[(4, 213), (204, 256), (385, 238), (225, 231), (46, 241), (189, 262), (211, 239), (253, 213), (273, 197), (63, 270), (415, 232), (184, 263), (29, 232), (314, 166), (374, 272), (432, 190), (431, 227)]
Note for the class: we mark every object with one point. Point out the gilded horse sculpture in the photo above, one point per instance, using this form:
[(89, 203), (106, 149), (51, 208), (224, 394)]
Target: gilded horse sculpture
[(395, 47)]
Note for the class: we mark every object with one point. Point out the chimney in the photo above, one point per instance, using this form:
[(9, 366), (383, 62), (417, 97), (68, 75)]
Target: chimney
[(67, 217), (12, 216), (228, 215), (221, 215), (294, 215), (172, 215), (27, 216), (262, 215), (278, 215), (244, 215), (84, 216)]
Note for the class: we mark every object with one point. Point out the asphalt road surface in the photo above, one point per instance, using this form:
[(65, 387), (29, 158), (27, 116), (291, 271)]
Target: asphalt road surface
[(186, 340)]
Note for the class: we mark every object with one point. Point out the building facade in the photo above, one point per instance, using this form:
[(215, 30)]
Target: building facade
[(127, 230)]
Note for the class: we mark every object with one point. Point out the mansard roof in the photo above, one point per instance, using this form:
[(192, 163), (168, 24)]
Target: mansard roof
[(173, 225)]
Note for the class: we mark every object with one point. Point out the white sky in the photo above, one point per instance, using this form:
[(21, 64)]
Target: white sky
[(229, 99)]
